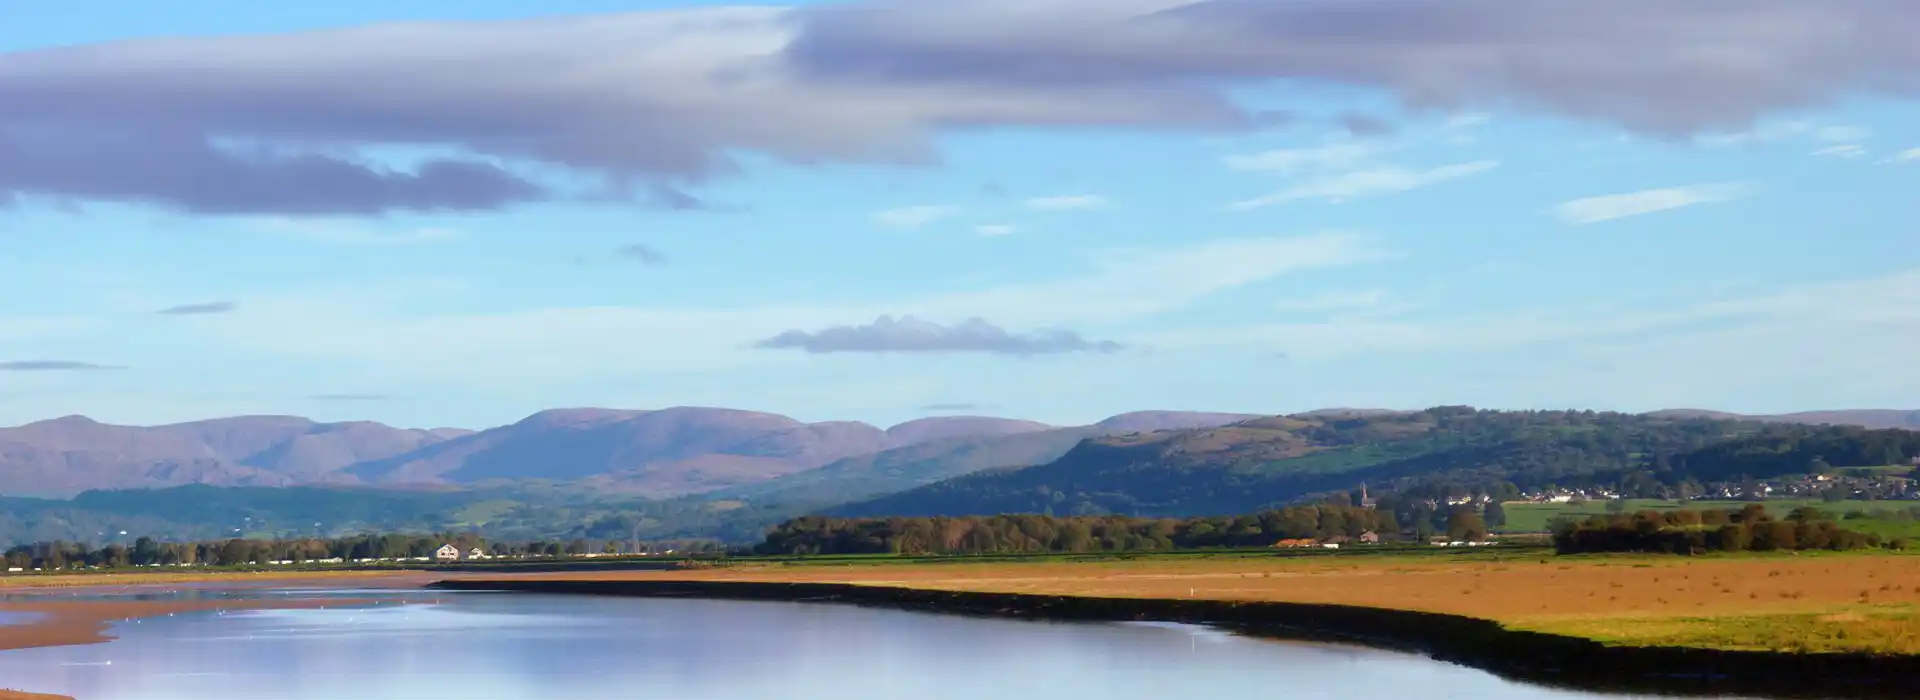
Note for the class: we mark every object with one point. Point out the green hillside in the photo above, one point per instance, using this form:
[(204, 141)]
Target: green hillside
[(1263, 463)]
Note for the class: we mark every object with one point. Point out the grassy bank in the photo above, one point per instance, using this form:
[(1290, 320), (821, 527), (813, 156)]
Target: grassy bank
[(1811, 602), (1316, 602)]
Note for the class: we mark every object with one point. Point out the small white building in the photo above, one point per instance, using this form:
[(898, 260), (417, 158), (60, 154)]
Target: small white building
[(476, 553), (447, 552)]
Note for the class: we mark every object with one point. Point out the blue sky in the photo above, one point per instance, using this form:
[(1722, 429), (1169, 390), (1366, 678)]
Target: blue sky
[(695, 204)]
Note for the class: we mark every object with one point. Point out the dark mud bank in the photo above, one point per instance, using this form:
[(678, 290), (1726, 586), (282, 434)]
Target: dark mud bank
[(1533, 657)]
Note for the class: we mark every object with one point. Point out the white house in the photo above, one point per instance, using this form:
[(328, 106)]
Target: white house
[(447, 552), (476, 553)]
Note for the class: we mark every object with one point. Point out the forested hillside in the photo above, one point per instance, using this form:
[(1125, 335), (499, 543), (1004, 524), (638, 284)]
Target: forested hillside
[(1267, 462)]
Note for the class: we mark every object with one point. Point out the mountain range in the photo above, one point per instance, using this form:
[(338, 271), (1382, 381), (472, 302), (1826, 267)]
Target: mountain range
[(654, 453), (693, 472)]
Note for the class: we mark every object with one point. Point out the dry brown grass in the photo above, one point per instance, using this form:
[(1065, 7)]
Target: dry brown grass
[(1858, 603), (22, 695)]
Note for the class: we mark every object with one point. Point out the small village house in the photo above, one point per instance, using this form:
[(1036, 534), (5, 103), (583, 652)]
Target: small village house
[(447, 552)]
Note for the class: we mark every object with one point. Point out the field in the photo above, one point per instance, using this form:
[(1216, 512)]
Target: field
[(1804, 603), (1535, 517)]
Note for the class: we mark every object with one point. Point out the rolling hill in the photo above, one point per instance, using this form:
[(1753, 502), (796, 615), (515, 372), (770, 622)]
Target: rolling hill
[(1261, 463), (656, 453), (75, 453)]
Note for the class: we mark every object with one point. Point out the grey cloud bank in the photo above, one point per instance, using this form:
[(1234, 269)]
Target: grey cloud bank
[(912, 335), (652, 101)]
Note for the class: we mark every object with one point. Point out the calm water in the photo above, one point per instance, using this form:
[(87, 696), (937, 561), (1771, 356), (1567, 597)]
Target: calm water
[(520, 647)]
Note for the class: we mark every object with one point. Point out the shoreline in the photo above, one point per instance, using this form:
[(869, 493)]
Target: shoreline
[(1533, 657), (62, 621)]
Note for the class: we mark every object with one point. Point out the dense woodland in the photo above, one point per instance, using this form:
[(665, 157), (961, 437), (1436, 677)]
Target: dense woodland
[(1024, 534), (1697, 532)]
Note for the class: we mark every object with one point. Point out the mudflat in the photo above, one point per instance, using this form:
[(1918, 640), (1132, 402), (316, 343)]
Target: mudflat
[(59, 620), (1769, 603)]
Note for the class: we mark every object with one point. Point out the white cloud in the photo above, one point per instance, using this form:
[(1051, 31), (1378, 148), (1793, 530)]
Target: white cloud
[(995, 229), (914, 217), (1591, 210), (1068, 202), (1845, 150), (1907, 156), (1340, 154), (1367, 183)]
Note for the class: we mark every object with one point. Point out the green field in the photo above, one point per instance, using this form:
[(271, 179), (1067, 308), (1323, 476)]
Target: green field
[(1535, 517)]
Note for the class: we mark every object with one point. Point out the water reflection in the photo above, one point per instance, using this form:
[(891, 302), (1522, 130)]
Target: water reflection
[(501, 647)]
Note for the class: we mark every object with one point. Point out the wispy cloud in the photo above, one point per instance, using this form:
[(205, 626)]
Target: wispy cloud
[(348, 397), (205, 309), (200, 309), (946, 407), (1092, 292), (1336, 301), (1368, 183), (912, 335), (1340, 154), (914, 217), (1782, 131), (1845, 150), (52, 366), (995, 229), (643, 254), (349, 232), (1068, 202), (1592, 210), (1911, 155)]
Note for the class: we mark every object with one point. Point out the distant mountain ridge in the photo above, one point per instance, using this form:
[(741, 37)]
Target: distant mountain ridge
[(1869, 418), (657, 453)]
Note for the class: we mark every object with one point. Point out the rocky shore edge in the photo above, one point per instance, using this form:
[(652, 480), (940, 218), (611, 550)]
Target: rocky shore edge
[(1531, 657)]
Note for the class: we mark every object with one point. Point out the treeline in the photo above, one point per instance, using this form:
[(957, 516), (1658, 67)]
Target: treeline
[(1701, 531), (1022, 534), (147, 551)]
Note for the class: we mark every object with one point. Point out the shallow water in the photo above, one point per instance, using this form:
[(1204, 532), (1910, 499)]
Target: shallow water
[(527, 647)]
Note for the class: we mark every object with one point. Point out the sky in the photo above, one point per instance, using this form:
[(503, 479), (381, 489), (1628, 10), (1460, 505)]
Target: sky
[(457, 214)]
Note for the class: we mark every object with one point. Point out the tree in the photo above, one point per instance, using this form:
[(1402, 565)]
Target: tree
[(1496, 514), (146, 552), (1465, 525)]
